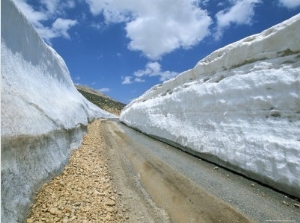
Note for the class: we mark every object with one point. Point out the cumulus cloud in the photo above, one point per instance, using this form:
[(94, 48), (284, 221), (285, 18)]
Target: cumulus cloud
[(61, 26), (156, 27), (152, 69), (241, 12), (290, 3), (48, 10)]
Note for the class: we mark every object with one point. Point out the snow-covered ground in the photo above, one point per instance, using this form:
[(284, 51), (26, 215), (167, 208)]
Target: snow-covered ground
[(238, 107), (43, 117)]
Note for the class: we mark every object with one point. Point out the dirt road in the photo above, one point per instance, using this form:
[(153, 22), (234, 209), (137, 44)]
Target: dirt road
[(121, 175), (190, 189)]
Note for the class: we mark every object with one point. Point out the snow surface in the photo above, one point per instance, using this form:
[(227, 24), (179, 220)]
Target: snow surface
[(238, 107), (43, 116)]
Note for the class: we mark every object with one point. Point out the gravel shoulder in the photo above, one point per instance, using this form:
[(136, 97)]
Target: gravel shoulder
[(84, 191)]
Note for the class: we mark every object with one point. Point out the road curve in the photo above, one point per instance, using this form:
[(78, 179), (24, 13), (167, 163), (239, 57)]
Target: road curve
[(178, 187)]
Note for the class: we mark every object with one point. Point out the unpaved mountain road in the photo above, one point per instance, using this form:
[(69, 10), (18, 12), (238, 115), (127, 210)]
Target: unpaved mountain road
[(188, 188), (121, 175)]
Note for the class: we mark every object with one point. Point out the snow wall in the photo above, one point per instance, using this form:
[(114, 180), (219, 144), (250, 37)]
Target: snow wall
[(239, 107), (43, 117)]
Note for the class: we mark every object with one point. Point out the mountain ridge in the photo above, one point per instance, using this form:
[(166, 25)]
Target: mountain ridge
[(101, 100)]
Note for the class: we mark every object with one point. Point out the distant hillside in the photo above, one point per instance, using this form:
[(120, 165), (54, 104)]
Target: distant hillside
[(101, 100)]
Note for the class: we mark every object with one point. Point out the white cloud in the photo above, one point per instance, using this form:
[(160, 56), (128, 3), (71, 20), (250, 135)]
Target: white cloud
[(137, 79), (156, 27), (240, 13), (103, 90), (290, 3), (48, 10), (56, 6), (127, 80), (61, 26), (113, 11), (51, 5), (151, 69), (154, 69)]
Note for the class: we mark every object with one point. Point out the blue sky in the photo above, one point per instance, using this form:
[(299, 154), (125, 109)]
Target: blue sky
[(124, 47)]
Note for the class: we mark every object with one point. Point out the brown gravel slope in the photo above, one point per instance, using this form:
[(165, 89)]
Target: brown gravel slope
[(101, 100), (84, 192)]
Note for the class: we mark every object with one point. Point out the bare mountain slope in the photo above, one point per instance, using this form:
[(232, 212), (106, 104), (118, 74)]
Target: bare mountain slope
[(101, 100)]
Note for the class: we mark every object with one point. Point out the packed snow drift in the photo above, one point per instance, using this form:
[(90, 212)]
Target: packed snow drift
[(43, 116), (238, 107)]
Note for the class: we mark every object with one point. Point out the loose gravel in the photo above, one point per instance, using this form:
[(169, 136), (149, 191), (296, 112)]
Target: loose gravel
[(84, 192)]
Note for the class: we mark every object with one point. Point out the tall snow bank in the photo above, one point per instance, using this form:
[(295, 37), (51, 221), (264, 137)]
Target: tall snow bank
[(238, 107), (43, 116)]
